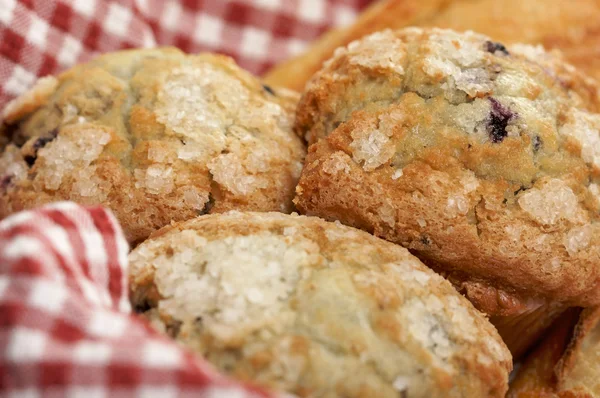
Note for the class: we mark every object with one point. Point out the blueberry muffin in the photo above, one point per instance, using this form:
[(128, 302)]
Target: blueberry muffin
[(315, 308), (155, 135), (476, 157)]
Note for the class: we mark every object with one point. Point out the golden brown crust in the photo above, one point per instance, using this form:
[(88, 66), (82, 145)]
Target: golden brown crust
[(572, 27), (536, 377), (578, 369), (466, 156), (315, 308), (156, 136)]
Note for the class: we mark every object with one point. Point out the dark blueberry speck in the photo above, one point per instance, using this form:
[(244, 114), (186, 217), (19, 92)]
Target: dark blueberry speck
[(425, 240), (39, 144), (5, 182), (521, 189), (42, 141), (498, 120), (142, 307), (208, 206), (13, 132), (268, 89), (536, 142), (492, 47), (30, 160)]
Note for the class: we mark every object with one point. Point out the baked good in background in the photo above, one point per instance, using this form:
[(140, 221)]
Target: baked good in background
[(470, 154), (566, 363), (570, 26), (155, 135), (315, 308)]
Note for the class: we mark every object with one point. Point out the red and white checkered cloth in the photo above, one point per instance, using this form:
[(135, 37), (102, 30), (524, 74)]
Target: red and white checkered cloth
[(66, 328), (42, 37)]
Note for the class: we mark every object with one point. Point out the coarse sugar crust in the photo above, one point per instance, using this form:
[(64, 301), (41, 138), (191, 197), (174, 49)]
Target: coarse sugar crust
[(483, 160), (315, 308), (155, 135)]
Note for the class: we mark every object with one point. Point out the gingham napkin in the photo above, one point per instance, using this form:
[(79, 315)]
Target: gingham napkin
[(41, 37), (66, 328)]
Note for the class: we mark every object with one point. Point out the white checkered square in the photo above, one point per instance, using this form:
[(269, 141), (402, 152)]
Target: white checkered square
[(87, 392), (92, 352), (107, 324), (118, 19), (25, 393), (296, 46), (26, 345), (7, 9), (84, 7), (148, 40), (16, 219), (171, 15), (343, 15), (142, 5), (20, 80), (38, 32), (22, 246), (272, 5), (311, 11), (160, 354), (69, 51), (161, 392), (47, 296), (208, 30), (255, 42)]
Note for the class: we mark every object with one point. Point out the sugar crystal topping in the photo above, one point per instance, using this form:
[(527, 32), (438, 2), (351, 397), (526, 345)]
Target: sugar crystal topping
[(378, 50), (550, 203), (585, 129), (191, 107), (335, 163), (157, 179), (73, 155), (230, 171), (578, 239), (243, 280), (372, 146), (222, 124), (460, 58)]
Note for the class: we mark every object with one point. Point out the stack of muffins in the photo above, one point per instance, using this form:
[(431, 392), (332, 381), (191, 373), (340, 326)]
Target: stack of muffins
[(449, 192)]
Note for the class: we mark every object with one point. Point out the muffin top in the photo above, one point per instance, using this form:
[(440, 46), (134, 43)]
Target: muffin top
[(483, 160), (315, 308), (494, 90), (156, 135)]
